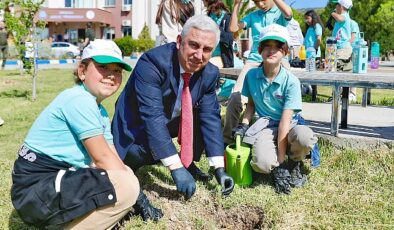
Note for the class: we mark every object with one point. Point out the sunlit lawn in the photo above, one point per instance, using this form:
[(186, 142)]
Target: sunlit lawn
[(351, 190)]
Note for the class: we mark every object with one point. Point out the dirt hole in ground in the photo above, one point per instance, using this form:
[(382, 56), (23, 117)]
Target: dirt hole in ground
[(242, 217)]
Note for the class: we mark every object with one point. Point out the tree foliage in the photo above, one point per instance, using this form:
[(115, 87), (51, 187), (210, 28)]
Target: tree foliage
[(128, 45), (21, 22)]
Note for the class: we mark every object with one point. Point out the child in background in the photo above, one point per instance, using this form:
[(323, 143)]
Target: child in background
[(222, 56), (342, 33), (269, 12), (170, 17), (68, 173), (314, 32), (274, 94)]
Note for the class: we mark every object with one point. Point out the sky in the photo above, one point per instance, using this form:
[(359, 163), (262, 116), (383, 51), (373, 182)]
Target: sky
[(299, 4)]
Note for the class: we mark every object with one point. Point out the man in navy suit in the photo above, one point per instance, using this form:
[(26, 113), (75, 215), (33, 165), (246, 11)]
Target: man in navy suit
[(147, 111)]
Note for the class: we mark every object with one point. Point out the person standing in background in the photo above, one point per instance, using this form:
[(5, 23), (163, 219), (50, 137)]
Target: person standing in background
[(3, 44), (342, 33), (170, 17), (89, 34), (296, 36), (222, 56), (314, 32)]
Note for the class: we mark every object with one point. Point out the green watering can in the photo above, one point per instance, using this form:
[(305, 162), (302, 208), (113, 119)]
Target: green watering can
[(238, 163)]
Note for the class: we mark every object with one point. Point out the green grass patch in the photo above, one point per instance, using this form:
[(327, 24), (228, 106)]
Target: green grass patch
[(351, 190), (383, 97)]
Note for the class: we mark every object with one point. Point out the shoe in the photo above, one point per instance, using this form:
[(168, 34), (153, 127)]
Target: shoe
[(198, 174), (297, 179), (1, 121), (145, 209)]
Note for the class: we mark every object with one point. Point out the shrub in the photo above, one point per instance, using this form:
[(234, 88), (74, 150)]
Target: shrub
[(127, 45)]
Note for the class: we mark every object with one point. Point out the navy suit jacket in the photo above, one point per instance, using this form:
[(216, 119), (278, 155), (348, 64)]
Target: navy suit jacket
[(144, 108)]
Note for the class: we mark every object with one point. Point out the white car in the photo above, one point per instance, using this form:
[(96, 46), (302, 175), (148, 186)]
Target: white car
[(65, 49)]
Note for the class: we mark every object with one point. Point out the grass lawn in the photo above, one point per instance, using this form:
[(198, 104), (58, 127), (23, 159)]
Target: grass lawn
[(350, 190)]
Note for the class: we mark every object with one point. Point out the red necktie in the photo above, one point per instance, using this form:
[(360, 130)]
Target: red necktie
[(185, 136)]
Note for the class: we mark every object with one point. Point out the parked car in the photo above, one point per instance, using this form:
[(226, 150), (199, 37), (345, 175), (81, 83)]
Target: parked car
[(65, 50)]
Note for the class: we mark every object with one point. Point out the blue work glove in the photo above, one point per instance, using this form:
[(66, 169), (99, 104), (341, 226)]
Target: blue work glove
[(224, 180), (184, 181), (240, 130)]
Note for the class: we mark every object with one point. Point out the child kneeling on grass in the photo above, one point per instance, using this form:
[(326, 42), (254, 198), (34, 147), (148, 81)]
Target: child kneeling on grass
[(68, 173), (275, 95)]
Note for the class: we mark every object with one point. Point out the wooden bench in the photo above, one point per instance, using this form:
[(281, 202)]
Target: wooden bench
[(338, 80)]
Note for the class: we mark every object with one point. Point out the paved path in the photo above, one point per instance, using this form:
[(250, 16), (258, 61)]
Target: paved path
[(367, 127)]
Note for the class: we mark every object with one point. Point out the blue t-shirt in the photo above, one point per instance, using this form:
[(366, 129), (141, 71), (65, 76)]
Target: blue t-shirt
[(70, 118), (259, 19), (342, 32), (271, 98), (311, 37)]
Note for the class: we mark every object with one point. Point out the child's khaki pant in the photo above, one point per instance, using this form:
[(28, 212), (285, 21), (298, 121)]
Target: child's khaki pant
[(301, 140), (127, 189)]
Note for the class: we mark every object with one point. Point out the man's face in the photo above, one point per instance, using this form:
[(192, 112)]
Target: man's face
[(195, 49)]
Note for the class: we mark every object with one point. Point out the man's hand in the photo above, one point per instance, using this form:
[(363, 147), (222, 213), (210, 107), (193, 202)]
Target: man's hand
[(240, 130), (224, 180), (282, 179), (184, 181)]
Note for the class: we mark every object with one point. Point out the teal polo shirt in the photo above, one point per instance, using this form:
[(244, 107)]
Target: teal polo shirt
[(342, 32), (71, 117), (257, 20), (311, 37), (271, 98)]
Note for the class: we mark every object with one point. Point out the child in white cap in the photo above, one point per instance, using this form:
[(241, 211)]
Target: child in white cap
[(275, 95), (68, 172), (342, 33)]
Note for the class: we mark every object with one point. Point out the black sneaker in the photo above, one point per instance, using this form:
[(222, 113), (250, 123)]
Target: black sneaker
[(145, 209)]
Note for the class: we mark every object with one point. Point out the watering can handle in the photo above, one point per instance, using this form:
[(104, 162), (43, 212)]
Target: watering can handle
[(237, 142)]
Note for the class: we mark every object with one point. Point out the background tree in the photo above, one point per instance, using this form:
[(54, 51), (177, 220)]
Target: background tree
[(22, 24)]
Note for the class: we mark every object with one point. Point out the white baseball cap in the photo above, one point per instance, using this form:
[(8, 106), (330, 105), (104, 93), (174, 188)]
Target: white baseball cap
[(346, 3), (275, 32), (104, 52)]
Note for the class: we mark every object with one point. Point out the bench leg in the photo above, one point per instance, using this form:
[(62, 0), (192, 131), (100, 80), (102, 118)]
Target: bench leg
[(314, 93), (335, 110), (366, 97), (345, 107)]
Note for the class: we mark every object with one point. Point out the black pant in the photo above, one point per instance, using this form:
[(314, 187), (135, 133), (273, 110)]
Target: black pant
[(135, 160)]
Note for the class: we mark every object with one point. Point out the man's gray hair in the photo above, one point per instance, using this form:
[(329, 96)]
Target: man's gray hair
[(201, 22)]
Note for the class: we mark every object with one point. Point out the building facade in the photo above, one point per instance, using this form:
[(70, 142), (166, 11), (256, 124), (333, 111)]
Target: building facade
[(110, 18), (68, 19)]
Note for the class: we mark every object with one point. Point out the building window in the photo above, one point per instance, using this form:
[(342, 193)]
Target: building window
[(127, 2), (126, 30), (69, 3), (79, 3), (109, 2)]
